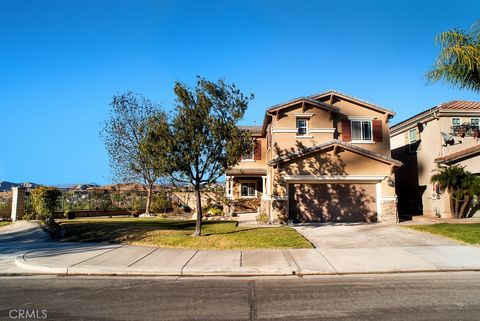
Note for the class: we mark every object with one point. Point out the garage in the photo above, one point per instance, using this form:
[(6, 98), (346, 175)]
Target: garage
[(332, 202)]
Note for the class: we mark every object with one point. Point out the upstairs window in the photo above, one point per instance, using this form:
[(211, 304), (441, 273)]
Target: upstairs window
[(412, 136), (248, 156), (302, 126), (475, 122), (456, 123), (361, 130)]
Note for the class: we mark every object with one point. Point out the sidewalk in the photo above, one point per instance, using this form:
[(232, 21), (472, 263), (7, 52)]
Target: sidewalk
[(106, 259)]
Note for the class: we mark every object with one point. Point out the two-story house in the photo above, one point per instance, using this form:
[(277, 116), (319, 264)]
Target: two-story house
[(321, 158), (444, 134)]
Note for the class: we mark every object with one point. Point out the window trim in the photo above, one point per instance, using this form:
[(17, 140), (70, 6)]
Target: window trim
[(471, 122), (410, 141), (248, 182), (306, 120), (361, 140), (459, 121), (252, 159)]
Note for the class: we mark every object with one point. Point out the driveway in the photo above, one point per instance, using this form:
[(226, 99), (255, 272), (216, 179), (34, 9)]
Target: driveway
[(348, 236)]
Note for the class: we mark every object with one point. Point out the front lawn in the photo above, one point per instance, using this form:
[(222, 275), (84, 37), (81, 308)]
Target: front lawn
[(177, 233), (468, 233), (4, 223)]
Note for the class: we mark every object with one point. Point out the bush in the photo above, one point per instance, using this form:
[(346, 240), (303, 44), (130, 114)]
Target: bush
[(160, 203), (263, 218), (136, 206), (69, 214), (44, 201)]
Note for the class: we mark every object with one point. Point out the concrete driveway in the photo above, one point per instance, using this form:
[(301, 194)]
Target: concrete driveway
[(347, 236)]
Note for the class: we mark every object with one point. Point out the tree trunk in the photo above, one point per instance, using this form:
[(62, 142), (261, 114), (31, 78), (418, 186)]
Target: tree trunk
[(457, 207), (466, 201), (198, 204), (149, 199), (452, 205)]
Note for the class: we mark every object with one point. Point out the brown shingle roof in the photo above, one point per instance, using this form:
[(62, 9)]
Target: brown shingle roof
[(464, 153), (255, 130)]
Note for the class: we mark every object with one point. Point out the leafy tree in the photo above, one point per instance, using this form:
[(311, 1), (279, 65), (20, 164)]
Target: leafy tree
[(45, 200), (459, 60), (205, 136), (125, 134), (461, 186)]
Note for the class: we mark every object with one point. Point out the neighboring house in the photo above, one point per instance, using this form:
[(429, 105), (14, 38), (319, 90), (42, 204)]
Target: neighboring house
[(321, 158), (445, 134)]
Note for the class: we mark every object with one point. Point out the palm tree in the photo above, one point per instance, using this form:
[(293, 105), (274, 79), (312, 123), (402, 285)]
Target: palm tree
[(470, 187), (459, 59), (454, 180)]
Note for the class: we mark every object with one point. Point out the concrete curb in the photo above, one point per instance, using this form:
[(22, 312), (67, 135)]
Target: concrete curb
[(34, 269)]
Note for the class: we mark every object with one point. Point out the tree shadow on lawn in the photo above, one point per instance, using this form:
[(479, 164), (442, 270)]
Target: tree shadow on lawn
[(118, 231)]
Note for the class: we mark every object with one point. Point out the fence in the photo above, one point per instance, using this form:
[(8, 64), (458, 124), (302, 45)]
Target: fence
[(107, 202), (5, 205)]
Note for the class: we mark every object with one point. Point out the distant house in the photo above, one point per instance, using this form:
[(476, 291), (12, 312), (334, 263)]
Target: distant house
[(445, 134), (321, 158)]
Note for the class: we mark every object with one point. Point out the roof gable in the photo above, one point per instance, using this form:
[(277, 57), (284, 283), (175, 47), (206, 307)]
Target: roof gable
[(336, 144), (332, 94)]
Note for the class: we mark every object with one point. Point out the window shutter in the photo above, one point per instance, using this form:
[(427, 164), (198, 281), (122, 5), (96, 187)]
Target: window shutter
[(257, 152), (377, 131), (346, 131)]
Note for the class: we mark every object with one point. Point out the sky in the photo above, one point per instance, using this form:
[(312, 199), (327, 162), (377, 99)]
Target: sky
[(62, 61)]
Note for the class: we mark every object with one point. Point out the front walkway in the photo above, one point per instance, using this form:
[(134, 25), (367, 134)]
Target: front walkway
[(367, 248)]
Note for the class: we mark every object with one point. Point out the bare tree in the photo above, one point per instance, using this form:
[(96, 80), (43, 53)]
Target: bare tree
[(126, 135)]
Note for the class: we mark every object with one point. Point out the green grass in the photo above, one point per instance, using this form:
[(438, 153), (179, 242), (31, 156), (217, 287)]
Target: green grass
[(468, 233), (177, 234), (4, 223)]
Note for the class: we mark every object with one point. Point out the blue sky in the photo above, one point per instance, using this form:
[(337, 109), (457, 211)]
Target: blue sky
[(61, 62)]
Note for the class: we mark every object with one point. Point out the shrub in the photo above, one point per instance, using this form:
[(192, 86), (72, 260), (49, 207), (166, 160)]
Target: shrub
[(160, 203), (69, 214), (136, 206), (263, 218), (44, 201), (213, 210)]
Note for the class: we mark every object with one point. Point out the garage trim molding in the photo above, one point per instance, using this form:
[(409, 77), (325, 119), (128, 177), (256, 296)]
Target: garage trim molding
[(328, 178)]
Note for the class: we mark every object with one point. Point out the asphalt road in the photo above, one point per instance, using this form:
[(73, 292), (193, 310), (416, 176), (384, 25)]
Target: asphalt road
[(434, 296)]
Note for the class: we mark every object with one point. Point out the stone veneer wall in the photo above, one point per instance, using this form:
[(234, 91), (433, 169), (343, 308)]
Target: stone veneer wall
[(279, 211), (389, 212)]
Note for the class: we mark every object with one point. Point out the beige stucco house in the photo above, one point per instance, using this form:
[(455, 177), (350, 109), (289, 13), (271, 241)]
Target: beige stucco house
[(445, 134), (321, 158)]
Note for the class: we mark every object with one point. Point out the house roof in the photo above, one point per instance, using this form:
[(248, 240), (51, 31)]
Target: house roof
[(354, 99), (454, 105), (335, 142), (255, 130), (303, 99), (247, 171), (457, 156)]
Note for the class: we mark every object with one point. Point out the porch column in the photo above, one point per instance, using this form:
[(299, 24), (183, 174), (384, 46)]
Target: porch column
[(18, 203), (264, 187), (227, 185), (231, 186)]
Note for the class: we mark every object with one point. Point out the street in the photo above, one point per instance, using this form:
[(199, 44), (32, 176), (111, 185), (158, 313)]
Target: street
[(422, 296)]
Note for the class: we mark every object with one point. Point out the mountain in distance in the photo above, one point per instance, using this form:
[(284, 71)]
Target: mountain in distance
[(7, 186)]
